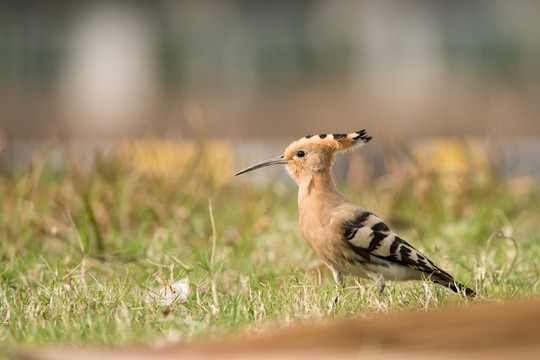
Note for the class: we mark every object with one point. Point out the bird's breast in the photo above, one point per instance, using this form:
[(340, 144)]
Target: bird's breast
[(316, 204), (318, 234)]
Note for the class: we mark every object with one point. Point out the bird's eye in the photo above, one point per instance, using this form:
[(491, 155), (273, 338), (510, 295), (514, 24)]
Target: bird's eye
[(301, 153)]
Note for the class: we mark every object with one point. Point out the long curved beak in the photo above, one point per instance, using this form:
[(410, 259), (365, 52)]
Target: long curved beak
[(275, 161)]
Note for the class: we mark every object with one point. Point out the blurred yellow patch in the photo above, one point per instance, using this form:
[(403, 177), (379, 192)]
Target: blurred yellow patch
[(209, 161), (452, 159)]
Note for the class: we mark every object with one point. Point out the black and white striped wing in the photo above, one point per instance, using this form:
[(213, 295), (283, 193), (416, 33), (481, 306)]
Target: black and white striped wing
[(369, 236)]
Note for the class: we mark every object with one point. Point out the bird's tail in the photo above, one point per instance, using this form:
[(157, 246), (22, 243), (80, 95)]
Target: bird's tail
[(448, 281), (460, 288)]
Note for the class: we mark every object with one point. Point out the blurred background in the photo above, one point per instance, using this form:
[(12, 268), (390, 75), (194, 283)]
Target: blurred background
[(123, 122), (104, 71)]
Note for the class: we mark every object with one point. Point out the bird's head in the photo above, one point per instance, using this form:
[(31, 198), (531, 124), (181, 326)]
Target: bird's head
[(313, 154)]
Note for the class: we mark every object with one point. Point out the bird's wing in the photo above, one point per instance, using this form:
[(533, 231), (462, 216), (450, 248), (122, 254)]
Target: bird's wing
[(369, 236)]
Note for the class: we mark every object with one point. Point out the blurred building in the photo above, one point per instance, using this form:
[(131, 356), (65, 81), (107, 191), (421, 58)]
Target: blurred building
[(111, 69)]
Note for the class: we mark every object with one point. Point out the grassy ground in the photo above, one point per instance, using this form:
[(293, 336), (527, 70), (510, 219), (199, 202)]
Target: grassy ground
[(83, 247)]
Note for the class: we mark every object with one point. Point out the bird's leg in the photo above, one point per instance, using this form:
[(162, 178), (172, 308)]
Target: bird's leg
[(338, 277), (379, 281), (339, 288)]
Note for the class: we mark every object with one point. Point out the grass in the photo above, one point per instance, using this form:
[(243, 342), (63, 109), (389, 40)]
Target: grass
[(82, 246)]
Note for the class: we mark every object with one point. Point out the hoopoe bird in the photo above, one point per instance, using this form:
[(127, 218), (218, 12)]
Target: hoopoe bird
[(348, 238)]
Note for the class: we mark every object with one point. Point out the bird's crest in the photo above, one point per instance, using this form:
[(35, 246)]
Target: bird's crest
[(336, 142)]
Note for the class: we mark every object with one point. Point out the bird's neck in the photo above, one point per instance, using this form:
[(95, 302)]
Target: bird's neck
[(317, 188)]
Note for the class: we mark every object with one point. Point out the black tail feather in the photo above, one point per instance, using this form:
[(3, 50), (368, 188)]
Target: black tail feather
[(456, 287), (443, 278), (460, 288)]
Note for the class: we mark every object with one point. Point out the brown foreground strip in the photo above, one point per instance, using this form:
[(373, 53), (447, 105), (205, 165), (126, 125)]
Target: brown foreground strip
[(479, 331)]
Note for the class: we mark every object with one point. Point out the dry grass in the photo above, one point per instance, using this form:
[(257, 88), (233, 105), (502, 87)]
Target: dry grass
[(494, 331)]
